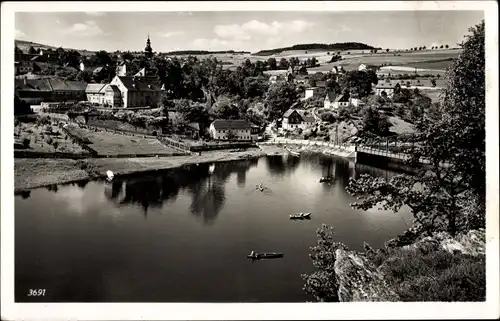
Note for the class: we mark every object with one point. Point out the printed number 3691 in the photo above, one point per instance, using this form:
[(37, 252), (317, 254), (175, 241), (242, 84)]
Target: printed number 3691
[(36, 292)]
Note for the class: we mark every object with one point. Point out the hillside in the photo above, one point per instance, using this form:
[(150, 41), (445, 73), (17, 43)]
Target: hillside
[(25, 45), (317, 46), (204, 52)]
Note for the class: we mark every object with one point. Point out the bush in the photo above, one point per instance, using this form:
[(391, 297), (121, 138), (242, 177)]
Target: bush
[(431, 274), (26, 142), (343, 113), (328, 117)]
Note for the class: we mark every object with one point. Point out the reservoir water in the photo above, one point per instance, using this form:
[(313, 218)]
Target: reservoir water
[(183, 235)]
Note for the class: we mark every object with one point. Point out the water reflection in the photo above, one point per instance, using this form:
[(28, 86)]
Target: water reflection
[(94, 234), (204, 182), (24, 194), (282, 165)]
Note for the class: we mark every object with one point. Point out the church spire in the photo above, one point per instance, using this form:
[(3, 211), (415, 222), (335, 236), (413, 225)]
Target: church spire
[(148, 51)]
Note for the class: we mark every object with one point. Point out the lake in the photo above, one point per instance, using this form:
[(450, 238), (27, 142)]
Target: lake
[(182, 235)]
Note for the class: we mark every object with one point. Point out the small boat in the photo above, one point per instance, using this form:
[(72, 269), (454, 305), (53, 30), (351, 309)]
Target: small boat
[(110, 175), (300, 216), (270, 255), (325, 179)]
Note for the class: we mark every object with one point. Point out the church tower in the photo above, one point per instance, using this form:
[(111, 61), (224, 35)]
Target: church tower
[(148, 51)]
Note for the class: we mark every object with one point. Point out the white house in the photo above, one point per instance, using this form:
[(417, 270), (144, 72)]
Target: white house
[(82, 66), (356, 102), (333, 101), (138, 91), (231, 129), (386, 88), (329, 100), (296, 118), (310, 92), (362, 67), (96, 93)]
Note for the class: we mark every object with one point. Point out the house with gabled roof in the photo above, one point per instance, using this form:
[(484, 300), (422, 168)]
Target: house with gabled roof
[(334, 101), (49, 90), (95, 93), (329, 99), (387, 88), (138, 91), (231, 129), (296, 118)]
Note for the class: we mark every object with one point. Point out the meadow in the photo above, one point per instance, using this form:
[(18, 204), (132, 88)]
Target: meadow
[(110, 144)]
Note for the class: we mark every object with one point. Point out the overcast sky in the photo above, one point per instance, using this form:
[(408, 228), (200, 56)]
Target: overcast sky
[(244, 30)]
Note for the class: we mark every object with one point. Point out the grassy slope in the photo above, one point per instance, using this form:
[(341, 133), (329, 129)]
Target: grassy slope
[(431, 274)]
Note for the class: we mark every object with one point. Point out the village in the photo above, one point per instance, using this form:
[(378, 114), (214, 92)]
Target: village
[(98, 110), (148, 143)]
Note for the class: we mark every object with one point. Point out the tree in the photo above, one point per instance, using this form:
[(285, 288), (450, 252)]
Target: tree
[(271, 62), (433, 82), (255, 87), (313, 62), (280, 97), (32, 51), (441, 47), (387, 50), (225, 108), (374, 122), (21, 107), (26, 142), (359, 82), (192, 112), (446, 46), (440, 196), (284, 63)]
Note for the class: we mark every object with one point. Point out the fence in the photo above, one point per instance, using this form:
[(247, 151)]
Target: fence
[(211, 146), (172, 143), (347, 148)]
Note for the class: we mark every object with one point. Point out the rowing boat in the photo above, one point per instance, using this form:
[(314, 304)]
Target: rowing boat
[(300, 216), (270, 255)]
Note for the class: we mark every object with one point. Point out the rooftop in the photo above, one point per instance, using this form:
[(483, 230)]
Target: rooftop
[(231, 124)]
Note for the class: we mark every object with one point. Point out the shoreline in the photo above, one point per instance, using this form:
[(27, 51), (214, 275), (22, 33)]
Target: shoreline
[(32, 173)]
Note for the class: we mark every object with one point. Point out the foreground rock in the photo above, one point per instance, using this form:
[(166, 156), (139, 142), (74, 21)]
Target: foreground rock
[(359, 280), (366, 276)]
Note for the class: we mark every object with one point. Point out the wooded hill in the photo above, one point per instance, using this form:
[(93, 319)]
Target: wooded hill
[(318, 46)]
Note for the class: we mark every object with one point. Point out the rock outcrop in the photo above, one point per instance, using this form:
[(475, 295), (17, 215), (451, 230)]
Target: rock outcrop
[(359, 279)]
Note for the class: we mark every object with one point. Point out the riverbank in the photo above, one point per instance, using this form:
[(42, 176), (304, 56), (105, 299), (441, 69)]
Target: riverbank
[(32, 173)]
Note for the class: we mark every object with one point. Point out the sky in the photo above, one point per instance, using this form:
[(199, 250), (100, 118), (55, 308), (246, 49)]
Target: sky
[(242, 30)]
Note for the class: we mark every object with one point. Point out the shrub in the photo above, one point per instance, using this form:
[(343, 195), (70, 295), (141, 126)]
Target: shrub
[(430, 274), (328, 117), (48, 140), (26, 142)]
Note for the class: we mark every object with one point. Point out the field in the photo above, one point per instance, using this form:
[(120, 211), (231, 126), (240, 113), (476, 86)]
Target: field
[(433, 94), (47, 138), (425, 60), (106, 143)]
